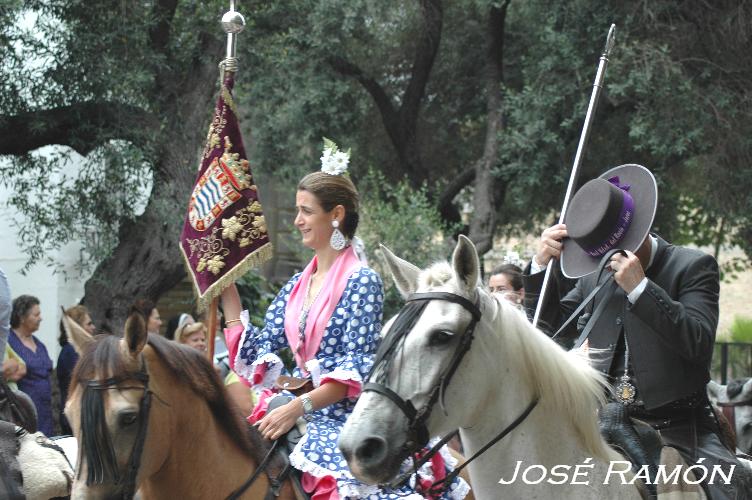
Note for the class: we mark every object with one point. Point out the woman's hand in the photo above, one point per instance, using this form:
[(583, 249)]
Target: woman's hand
[(277, 422)]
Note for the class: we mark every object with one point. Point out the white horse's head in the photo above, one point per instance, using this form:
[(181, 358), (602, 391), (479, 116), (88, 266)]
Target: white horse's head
[(416, 350), (453, 342), (415, 360), (736, 401)]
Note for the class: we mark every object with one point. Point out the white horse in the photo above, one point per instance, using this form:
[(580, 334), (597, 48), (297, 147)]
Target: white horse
[(509, 365), (735, 400)]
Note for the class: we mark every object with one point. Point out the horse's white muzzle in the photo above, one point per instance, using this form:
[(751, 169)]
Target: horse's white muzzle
[(373, 439)]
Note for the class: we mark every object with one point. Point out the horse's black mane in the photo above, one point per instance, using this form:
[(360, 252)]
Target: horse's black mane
[(189, 365)]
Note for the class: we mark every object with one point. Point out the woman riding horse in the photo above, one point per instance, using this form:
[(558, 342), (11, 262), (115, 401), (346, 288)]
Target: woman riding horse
[(330, 316)]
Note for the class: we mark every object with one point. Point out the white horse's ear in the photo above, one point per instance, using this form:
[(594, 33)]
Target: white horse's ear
[(404, 273), (466, 263), (77, 336), (714, 390), (135, 334)]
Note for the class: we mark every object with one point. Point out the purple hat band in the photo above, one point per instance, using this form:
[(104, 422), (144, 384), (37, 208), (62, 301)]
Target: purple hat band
[(622, 222)]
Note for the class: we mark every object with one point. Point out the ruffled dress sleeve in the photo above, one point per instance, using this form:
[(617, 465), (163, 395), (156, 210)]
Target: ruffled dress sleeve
[(348, 350), (256, 359)]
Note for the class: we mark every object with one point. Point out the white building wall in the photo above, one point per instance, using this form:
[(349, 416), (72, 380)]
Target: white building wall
[(54, 289)]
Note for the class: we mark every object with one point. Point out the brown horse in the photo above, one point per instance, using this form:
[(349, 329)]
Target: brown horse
[(151, 415)]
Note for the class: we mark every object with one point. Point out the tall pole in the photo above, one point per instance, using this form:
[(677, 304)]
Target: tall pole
[(584, 136), (233, 23)]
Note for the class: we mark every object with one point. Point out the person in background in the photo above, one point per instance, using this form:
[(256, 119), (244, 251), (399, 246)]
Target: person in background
[(177, 322), (192, 335), (68, 358), (13, 367), (6, 307), (149, 311), (506, 282), (25, 320)]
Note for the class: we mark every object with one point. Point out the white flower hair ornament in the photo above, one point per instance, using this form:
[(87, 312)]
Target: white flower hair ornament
[(334, 161)]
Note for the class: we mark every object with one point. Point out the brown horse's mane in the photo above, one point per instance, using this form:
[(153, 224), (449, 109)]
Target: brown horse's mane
[(188, 365)]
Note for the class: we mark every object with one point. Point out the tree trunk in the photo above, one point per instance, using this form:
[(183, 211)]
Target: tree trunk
[(147, 261), (402, 124), (487, 193)]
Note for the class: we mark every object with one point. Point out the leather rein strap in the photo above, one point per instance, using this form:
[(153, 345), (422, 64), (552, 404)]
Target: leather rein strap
[(605, 260)]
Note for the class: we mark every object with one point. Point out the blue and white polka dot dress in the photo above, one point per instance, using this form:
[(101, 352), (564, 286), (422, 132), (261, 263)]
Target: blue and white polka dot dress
[(346, 353)]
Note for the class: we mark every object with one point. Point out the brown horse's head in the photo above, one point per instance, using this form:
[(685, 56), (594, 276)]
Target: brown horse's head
[(129, 402)]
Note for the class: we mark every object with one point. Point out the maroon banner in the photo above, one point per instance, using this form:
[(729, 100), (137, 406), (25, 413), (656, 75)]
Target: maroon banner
[(225, 232)]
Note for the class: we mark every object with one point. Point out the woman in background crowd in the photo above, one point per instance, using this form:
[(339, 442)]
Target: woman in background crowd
[(148, 310), (68, 358), (25, 320)]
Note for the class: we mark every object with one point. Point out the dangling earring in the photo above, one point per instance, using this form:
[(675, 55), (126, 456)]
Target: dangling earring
[(337, 241)]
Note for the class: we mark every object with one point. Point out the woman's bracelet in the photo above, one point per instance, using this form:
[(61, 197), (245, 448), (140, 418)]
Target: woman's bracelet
[(232, 321)]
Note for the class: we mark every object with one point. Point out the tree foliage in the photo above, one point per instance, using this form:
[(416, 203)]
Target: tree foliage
[(481, 95)]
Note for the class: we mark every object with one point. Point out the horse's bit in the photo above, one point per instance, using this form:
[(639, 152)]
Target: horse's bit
[(417, 429)]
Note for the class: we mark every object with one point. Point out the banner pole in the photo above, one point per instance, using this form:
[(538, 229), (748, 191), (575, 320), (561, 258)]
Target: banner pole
[(211, 318), (584, 136)]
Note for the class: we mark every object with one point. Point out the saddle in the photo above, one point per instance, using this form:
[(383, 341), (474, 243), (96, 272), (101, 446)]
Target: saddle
[(636, 440), (294, 385)]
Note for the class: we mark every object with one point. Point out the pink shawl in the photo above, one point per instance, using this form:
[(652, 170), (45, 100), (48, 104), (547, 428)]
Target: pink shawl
[(322, 308)]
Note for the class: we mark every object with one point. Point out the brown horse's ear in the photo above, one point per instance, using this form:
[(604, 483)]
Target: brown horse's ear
[(77, 336), (135, 334), (404, 273), (466, 263)]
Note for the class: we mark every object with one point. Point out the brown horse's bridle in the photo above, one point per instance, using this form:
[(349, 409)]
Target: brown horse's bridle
[(96, 473), (127, 483)]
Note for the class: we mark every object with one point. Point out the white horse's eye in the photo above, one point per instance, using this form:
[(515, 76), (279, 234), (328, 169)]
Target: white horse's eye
[(440, 337)]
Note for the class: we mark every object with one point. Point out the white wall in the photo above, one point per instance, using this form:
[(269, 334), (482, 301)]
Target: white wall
[(52, 288)]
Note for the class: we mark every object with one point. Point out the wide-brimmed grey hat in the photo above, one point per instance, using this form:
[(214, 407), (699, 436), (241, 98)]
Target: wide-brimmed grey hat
[(616, 210)]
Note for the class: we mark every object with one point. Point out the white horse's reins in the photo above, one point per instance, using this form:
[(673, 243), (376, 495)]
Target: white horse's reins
[(417, 430)]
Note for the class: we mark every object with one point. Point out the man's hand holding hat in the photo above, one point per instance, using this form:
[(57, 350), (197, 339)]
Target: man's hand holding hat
[(550, 244), (628, 271)]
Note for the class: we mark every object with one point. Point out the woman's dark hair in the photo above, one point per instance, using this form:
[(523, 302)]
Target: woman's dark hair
[(172, 325), (21, 307), (333, 190), (78, 314), (514, 273), (143, 306)]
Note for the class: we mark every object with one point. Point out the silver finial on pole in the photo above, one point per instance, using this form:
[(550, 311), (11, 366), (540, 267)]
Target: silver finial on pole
[(233, 23)]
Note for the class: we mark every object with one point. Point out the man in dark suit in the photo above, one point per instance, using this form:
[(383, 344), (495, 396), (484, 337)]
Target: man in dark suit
[(652, 329)]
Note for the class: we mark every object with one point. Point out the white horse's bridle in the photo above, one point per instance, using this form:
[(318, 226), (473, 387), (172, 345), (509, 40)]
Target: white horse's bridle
[(417, 430)]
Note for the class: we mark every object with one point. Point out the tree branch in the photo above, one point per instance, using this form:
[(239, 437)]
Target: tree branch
[(82, 126), (425, 54), (446, 206), (347, 68), (488, 193), (159, 33)]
